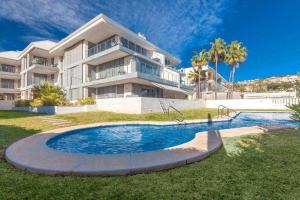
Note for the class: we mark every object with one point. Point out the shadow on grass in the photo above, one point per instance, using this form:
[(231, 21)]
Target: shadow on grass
[(10, 134), (11, 114)]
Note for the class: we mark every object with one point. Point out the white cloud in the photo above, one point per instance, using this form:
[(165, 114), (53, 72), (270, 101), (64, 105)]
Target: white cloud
[(171, 24)]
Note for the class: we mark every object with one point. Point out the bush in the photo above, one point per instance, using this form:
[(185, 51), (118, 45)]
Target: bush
[(87, 101), (296, 111), (48, 95), (36, 103), (22, 103)]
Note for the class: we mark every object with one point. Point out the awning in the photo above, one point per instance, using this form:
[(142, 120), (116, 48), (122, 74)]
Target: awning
[(167, 87)]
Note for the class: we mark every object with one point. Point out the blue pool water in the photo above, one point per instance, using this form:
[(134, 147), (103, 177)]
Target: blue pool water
[(140, 138)]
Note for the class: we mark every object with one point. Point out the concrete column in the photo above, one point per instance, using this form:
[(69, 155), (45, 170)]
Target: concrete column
[(27, 61), (85, 46), (85, 92), (128, 89), (84, 73)]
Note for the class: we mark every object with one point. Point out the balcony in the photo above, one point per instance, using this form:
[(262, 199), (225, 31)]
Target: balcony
[(9, 72), (42, 67), (38, 81), (117, 47), (120, 73)]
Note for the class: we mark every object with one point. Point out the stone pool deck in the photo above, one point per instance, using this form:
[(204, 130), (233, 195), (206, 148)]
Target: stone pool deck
[(32, 153)]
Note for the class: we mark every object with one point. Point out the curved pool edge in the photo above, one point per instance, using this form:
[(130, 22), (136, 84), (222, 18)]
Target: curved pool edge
[(32, 154)]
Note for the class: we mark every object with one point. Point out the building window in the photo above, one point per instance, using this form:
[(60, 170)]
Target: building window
[(111, 68), (113, 91), (7, 83), (134, 47), (148, 68), (7, 97)]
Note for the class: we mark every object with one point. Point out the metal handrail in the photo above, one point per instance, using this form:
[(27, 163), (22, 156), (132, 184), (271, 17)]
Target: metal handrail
[(221, 109), (181, 118), (167, 111)]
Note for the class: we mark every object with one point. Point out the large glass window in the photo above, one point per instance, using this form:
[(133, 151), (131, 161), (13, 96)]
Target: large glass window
[(40, 61), (134, 47), (7, 83), (148, 68), (39, 79), (110, 91), (112, 68)]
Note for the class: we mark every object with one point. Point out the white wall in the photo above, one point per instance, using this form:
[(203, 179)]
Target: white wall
[(6, 105), (130, 105), (153, 104), (58, 109), (248, 104)]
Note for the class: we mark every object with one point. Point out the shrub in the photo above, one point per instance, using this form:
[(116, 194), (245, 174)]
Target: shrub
[(22, 103), (296, 111), (48, 95), (36, 103), (87, 101)]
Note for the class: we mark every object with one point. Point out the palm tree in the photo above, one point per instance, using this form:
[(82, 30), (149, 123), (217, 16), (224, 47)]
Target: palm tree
[(216, 55), (198, 61), (236, 54)]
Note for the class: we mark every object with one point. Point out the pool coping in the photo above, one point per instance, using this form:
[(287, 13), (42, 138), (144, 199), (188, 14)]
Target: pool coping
[(32, 153)]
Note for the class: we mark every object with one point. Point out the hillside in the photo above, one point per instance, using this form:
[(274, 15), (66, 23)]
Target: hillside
[(274, 83)]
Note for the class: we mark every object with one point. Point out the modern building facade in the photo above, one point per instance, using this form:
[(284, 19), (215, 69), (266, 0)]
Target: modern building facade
[(101, 59), (10, 67)]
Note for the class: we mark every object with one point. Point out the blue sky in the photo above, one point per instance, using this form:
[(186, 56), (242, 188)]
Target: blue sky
[(270, 29)]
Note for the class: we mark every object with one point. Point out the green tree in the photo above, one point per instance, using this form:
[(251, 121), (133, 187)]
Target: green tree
[(235, 55), (198, 62), (216, 55)]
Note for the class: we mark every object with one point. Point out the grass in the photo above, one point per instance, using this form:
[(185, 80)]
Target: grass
[(93, 117), (251, 167)]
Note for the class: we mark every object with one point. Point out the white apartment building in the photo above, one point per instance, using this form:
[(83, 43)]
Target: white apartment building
[(101, 59), (9, 75), (208, 84)]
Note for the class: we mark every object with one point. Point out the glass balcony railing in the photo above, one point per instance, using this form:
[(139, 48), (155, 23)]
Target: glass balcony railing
[(9, 69), (7, 85), (102, 46)]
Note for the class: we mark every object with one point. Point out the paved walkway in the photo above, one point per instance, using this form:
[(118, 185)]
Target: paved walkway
[(56, 121)]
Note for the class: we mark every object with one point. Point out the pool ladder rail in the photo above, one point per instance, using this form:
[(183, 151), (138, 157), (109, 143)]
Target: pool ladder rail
[(179, 118), (221, 113)]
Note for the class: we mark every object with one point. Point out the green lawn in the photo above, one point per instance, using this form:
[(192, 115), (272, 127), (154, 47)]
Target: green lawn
[(250, 167)]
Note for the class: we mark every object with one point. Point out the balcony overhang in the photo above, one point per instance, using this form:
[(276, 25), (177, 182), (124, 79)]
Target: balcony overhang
[(106, 56), (8, 75), (41, 69), (9, 91), (170, 88), (10, 61)]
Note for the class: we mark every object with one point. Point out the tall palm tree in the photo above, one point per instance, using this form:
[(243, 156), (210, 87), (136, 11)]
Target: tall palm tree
[(236, 54), (216, 55), (198, 61)]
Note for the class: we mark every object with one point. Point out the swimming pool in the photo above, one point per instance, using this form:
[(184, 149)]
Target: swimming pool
[(121, 139)]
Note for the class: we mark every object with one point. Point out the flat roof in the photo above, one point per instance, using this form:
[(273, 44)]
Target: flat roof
[(103, 19), (44, 45)]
